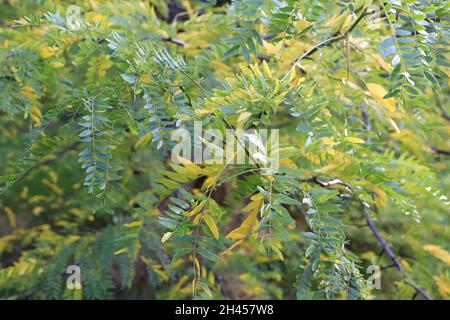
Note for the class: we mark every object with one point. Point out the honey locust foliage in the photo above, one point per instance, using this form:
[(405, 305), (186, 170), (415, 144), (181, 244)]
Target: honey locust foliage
[(91, 92)]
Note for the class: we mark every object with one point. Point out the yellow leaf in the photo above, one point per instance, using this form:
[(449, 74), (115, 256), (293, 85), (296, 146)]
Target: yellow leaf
[(189, 9), (386, 66), (443, 284), (287, 162), (290, 76), (24, 193), (378, 92), (244, 116), (201, 112), (242, 231), (53, 176), (297, 82), (99, 65), (337, 21), (328, 140), (197, 219), (145, 78), (57, 64), (355, 140), (266, 70), (277, 252), (37, 211), (98, 18), (231, 248), (36, 115), (257, 196), (47, 52), (29, 93), (52, 186), (166, 236), (189, 165), (76, 212), (71, 239), (197, 265), (197, 209), (211, 225), (438, 252), (326, 112), (209, 182), (256, 204), (143, 140), (405, 264), (133, 224), (120, 251), (11, 217)]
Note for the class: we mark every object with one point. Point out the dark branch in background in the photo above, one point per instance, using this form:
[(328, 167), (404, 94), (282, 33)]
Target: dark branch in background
[(38, 165), (175, 41), (444, 113), (440, 151), (270, 36), (223, 286), (389, 252), (263, 57), (385, 246), (366, 120)]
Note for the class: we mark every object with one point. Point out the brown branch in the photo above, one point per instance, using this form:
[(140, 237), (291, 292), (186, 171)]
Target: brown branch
[(270, 36), (389, 252), (335, 37), (444, 114), (263, 57), (440, 151), (175, 41), (326, 184), (366, 120)]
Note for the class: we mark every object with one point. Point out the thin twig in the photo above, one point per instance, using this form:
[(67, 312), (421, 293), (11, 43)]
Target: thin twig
[(389, 252), (327, 184), (444, 114), (440, 151), (175, 41), (335, 37)]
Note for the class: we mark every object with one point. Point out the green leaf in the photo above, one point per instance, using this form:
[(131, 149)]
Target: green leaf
[(207, 254)]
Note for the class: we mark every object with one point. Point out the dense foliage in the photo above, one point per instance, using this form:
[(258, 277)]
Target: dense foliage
[(89, 96)]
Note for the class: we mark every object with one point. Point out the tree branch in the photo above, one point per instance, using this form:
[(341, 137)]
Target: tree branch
[(444, 114), (389, 252), (440, 151), (175, 41), (330, 183), (335, 37)]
